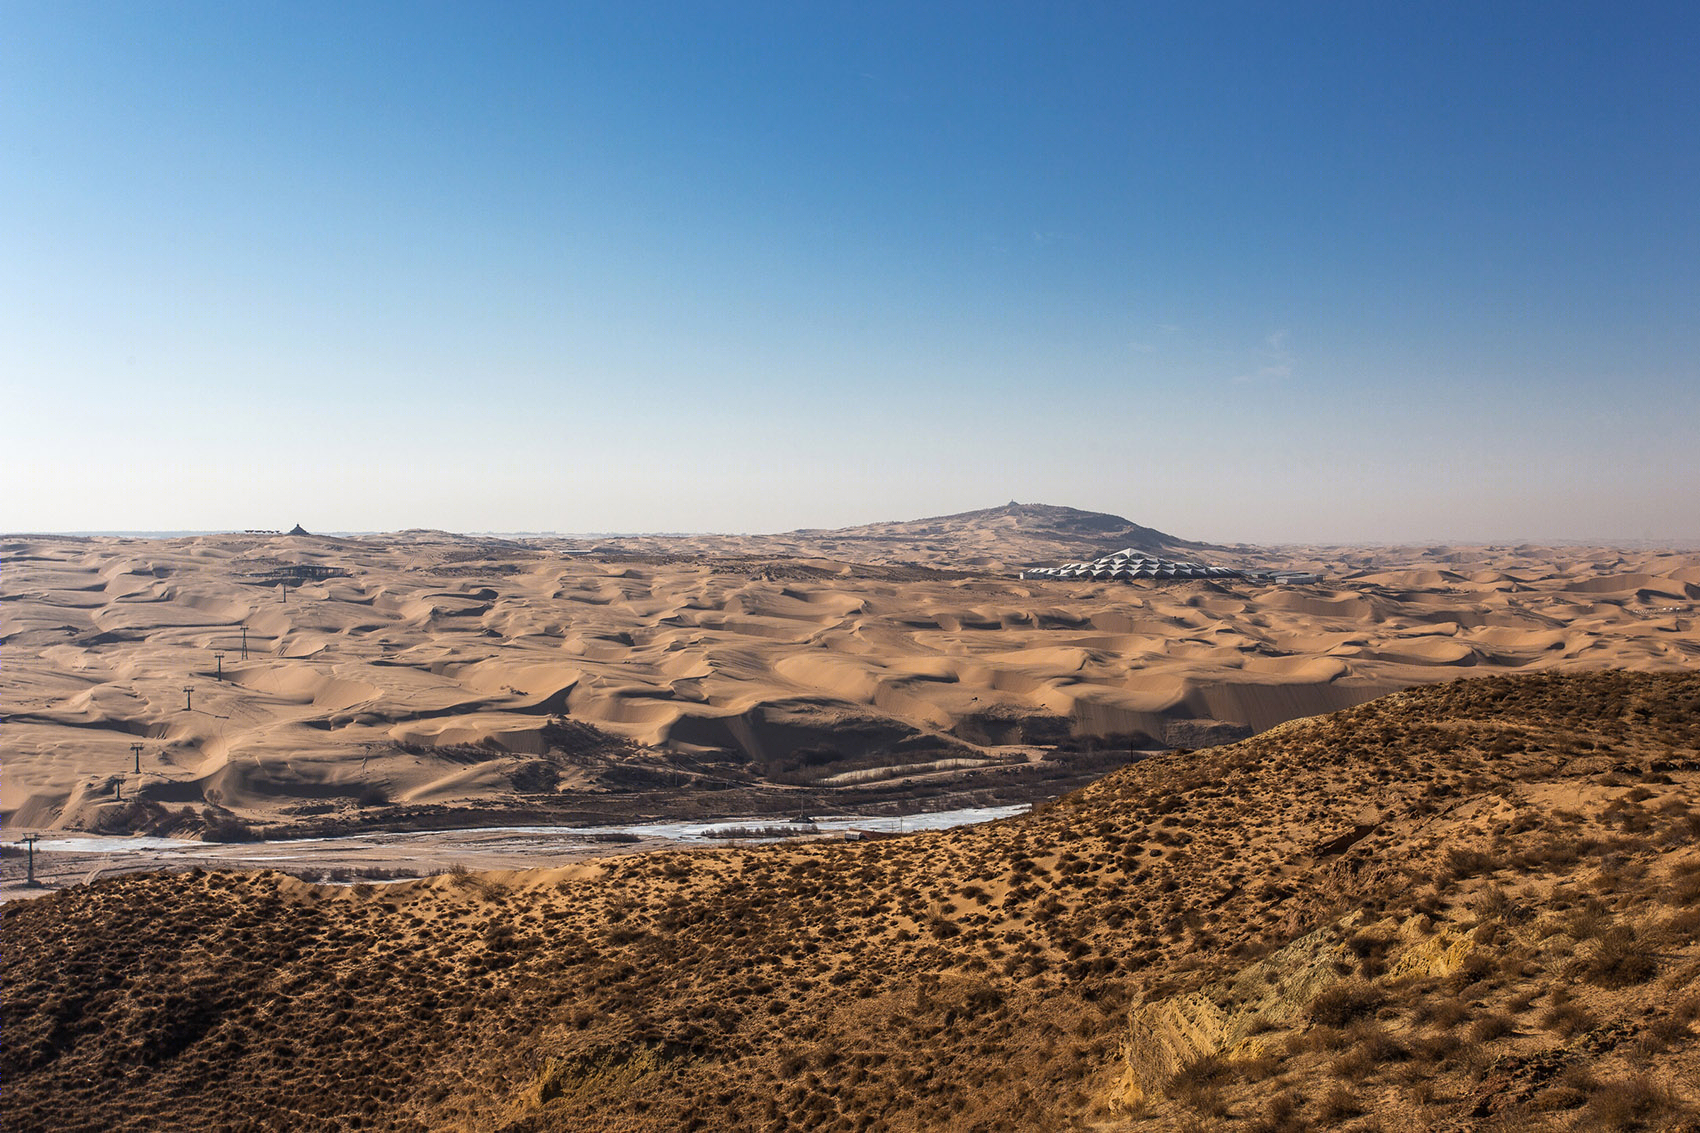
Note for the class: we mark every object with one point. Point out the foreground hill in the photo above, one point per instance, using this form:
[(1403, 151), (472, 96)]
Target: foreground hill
[(1460, 906), (428, 678)]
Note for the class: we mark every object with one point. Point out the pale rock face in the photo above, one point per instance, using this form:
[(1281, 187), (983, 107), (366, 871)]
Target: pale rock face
[(1235, 1017)]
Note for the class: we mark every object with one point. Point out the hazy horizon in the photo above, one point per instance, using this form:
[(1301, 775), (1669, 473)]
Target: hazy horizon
[(1243, 273), (1622, 540)]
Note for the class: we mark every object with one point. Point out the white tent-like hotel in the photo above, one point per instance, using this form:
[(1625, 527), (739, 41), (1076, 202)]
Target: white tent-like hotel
[(1128, 565)]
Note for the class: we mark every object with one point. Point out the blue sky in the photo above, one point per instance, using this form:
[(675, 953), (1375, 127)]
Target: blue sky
[(1259, 272)]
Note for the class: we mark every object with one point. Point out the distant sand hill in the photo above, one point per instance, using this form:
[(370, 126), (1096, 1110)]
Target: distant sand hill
[(427, 675), (997, 538), (1015, 530)]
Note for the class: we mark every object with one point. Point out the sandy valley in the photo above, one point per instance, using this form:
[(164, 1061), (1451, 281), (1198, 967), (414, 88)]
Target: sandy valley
[(426, 679)]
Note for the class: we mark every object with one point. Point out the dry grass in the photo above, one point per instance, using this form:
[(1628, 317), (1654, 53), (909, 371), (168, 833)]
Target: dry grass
[(1505, 921)]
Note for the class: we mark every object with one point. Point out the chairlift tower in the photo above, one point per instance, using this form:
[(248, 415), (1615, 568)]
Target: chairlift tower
[(188, 698), (219, 657), (137, 750), (244, 641)]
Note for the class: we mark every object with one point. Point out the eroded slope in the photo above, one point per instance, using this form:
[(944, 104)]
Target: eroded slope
[(1464, 903)]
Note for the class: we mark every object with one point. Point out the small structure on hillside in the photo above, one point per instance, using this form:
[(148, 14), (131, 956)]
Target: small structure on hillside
[(1130, 564), (299, 530)]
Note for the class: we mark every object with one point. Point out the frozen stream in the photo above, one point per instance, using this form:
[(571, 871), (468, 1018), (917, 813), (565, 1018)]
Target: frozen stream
[(70, 858)]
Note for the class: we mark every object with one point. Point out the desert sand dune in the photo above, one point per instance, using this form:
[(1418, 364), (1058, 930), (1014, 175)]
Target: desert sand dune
[(436, 669)]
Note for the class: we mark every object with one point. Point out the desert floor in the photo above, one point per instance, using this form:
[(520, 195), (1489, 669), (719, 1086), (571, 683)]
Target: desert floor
[(431, 680)]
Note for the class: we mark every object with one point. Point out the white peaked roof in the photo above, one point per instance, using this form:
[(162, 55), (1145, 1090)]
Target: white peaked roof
[(1129, 564)]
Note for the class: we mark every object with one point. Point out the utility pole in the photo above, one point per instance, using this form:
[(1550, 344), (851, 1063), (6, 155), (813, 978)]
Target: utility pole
[(137, 749), (219, 657), (188, 698), (30, 840)]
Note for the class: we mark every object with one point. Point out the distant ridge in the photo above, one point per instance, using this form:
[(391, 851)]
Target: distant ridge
[(1068, 530), (1009, 538)]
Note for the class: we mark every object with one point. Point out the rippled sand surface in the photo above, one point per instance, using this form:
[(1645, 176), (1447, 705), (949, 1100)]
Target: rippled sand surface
[(432, 668)]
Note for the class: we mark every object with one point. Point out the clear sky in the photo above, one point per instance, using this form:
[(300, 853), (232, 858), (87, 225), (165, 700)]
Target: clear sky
[(1241, 271)]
